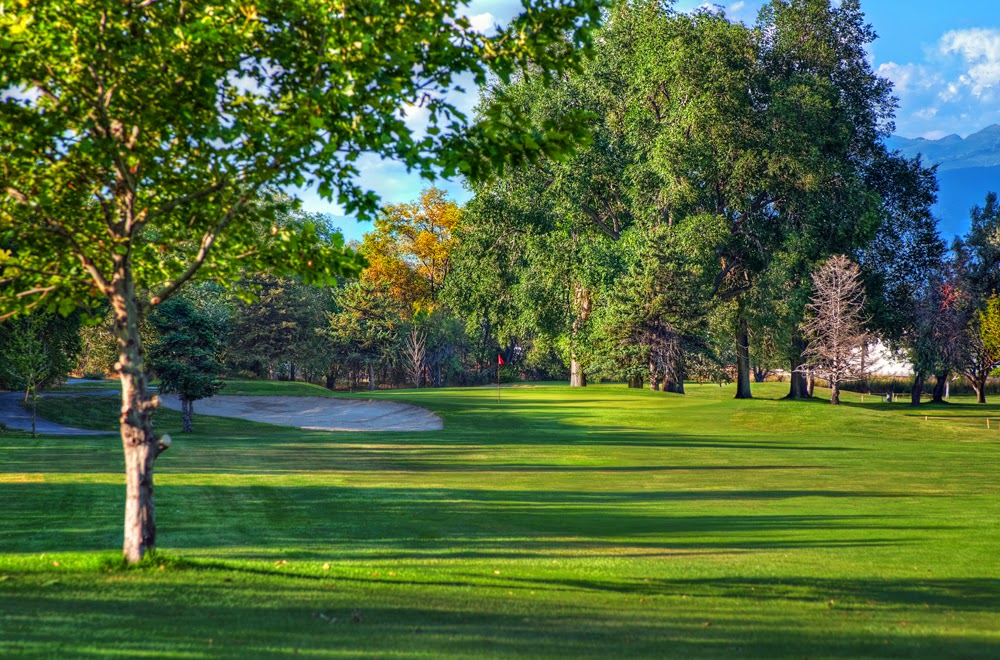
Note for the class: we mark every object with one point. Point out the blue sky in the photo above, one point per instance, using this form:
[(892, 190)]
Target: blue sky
[(943, 57)]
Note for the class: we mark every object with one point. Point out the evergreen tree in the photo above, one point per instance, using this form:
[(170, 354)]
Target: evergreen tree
[(184, 355)]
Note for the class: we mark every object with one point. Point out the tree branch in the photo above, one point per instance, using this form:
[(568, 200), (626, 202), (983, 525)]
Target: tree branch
[(206, 245)]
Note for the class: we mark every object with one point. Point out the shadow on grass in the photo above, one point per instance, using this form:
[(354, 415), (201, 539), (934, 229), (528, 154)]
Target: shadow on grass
[(225, 617), (443, 522)]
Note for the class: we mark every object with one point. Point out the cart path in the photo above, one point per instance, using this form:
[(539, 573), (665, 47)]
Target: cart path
[(14, 416)]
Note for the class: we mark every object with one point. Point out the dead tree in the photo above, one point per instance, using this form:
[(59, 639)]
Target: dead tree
[(835, 324), (415, 353)]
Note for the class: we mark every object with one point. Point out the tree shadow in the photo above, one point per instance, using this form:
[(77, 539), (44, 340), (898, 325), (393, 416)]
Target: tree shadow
[(418, 522)]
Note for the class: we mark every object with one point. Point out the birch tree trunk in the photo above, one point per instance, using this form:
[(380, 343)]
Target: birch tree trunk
[(577, 377), (138, 441)]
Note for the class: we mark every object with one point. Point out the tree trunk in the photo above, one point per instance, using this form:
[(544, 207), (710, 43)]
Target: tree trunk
[(742, 355), (863, 385), (917, 389), (979, 385), (635, 383), (799, 386), (291, 371), (940, 386), (138, 441), (654, 377), (810, 385), (187, 408), (759, 375), (835, 393), (577, 377), (34, 412), (371, 378), (673, 385)]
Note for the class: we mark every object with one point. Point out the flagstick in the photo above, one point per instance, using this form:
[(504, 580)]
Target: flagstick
[(498, 380)]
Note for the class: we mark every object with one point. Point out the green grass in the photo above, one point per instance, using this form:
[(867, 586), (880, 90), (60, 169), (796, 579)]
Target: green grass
[(598, 523)]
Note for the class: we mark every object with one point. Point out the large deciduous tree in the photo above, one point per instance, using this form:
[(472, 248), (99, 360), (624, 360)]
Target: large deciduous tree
[(135, 132)]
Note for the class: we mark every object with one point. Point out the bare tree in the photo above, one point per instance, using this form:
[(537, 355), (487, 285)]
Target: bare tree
[(835, 324), (415, 353)]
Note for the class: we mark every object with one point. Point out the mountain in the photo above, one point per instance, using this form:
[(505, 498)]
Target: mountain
[(967, 169)]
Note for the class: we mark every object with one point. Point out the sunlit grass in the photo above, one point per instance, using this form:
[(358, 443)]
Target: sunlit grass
[(602, 522)]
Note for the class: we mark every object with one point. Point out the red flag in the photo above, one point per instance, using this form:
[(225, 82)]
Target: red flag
[(500, 360)]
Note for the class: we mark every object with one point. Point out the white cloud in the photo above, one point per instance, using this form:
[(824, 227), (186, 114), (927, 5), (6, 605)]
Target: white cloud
[(980, 49), (926, 113), (737, 6), (907, 78), (484, 23)]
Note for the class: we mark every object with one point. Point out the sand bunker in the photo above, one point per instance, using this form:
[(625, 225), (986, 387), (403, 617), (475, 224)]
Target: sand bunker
[(316, 413)]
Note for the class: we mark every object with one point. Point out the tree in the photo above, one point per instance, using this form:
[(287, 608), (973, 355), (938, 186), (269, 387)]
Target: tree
[(655, 312), (58, 336), (365, 326), (835, 327), (982, 347), (275, 332), (136, 135), (415, 353), (976, 260), (575, 206), (411, 246), (28, 365), (185, 355), (939, 334)]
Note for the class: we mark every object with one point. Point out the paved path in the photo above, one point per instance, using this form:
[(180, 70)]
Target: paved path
[(13, 415), (316, 412)]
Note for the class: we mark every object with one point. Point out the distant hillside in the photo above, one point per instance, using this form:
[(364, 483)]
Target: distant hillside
[(967, 169)]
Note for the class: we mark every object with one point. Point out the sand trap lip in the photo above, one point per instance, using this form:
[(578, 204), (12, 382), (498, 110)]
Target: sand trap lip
[(316, 413)]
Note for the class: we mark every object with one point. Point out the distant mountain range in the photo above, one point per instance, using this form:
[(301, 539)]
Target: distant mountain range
[(967, 169)]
